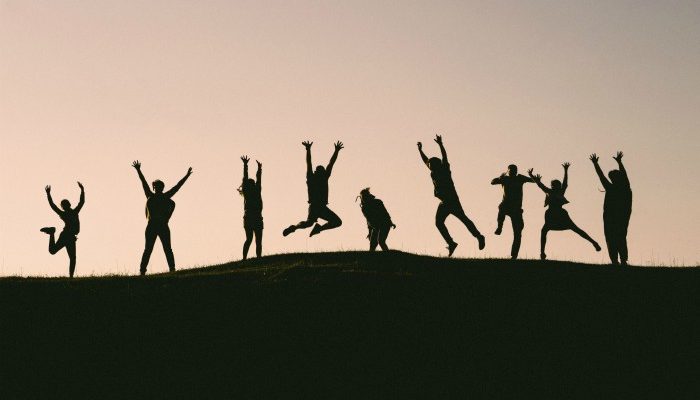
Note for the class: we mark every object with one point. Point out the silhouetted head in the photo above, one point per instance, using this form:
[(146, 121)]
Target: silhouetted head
[(65, 205), (320, 170), (248, 185), (615, 176), (556, 184), (435, 163), (158, 186), (512, 170), (365, 195)]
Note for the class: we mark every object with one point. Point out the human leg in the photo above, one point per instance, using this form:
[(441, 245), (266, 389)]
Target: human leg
[(71, 250), (151, 236), (584, 235), (332, 220), (373, 239), (516, 220), (164, 234), (611, 239), (308, 223), (248, 241), (381, 238), (500, 219), (543, 241), (458, 212), (258, 241)]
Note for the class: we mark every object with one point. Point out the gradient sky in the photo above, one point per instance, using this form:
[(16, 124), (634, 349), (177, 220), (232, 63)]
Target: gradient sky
[(86, 87)]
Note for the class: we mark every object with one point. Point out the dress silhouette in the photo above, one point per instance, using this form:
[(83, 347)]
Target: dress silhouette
[(317, 185), (512, 205), (379, 221), (556, 218), (617, 208), (71, 227), (449, 200), (159, 209), (251, 190)]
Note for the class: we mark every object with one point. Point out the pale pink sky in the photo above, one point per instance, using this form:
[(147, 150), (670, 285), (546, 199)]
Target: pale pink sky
[(86, 87)]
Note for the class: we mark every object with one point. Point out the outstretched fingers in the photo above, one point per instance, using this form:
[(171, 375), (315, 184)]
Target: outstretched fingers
[(339, 145), (594, 157)]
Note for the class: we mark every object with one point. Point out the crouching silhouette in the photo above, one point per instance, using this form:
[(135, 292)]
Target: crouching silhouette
[(159, 209), (379, 221), (617, 209), (71, 227), (251, 190), (556, 218)]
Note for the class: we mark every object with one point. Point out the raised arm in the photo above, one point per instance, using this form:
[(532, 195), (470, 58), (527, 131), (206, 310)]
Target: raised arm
[(245, 160), (594, 159), (81, 203), (618, 158), (334, 158), (51, 203), (309, 167), (499, 180), (258, 175), (146, 190), (438, 140), (422, 155), (171, 192), (538, 180), (565, 182)]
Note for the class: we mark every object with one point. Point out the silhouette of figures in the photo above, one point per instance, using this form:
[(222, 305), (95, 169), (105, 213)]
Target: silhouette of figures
[(317, 185), (379, 221), (449, 200), (617, 208), (159, 209), (556, 218), (71, 227), (251, 190), (512, 205)]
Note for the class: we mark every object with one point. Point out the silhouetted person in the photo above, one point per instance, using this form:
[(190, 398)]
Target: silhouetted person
[(251, 190), (71, 227), (159, 209), (449, 201), (317, 185), (617, 208), (379, 221), (512, 205), (556, 218)]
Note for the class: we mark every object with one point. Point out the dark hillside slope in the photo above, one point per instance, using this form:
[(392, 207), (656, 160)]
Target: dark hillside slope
[(351, 324)]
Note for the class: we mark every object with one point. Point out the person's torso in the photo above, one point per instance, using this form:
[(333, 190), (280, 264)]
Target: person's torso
[(555, 199), (317, 186), (618, 200), (159, 208), (513, 191), (71, 221), (443, 184), (376, 214), (252, 201)]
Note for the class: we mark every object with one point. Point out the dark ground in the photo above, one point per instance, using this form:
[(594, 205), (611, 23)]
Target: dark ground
[(355, 325)]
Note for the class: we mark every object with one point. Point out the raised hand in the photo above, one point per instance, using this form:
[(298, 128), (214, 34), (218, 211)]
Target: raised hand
[(618, 157), (259, 163), (594, 157), (537, 177), (438, 139), (420, 146), (566, 165), (189, 171), (136, 164), (245, 159), (307, 144), (530, 171), (81, 186), (338, 145), (48, 189)]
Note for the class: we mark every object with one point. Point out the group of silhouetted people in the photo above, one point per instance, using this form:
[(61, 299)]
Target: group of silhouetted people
[(617, 209)]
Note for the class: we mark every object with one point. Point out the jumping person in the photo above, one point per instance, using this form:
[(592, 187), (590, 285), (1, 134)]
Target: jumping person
[(159, 209), (556, 218), (449, 200), (71, 227), (379, 221), (317, 185), (617, 208), (512, 205), (252, 208)]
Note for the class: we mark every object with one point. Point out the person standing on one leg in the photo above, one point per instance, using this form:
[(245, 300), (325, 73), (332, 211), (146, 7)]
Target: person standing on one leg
[(449, 200), (317, 185), (617, 208), (379, 221), (251, 190), (71, 227), (556, 218), (512, 205), (159, 209)]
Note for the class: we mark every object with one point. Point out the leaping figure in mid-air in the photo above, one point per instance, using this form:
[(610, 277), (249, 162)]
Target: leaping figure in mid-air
[(71, 227)]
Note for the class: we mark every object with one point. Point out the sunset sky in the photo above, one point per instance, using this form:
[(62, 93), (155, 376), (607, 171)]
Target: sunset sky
[(86, 87)]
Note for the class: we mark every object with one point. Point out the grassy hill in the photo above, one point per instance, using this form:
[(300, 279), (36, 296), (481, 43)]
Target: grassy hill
[(354, 324)]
